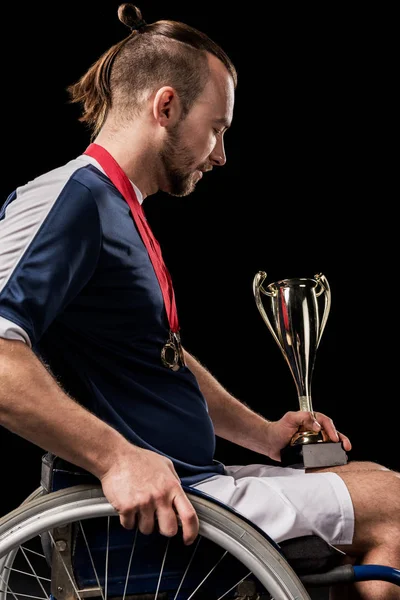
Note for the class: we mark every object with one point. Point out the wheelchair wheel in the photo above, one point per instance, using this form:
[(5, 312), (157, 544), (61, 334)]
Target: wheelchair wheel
[(25, 572), (6, 562)]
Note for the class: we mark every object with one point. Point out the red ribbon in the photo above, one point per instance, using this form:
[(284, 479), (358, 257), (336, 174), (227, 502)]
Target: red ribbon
[(125, 187)]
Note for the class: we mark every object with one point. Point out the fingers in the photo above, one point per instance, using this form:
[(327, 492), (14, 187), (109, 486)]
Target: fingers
[(146, 518), (327, 425), (127, 519), (345, 441), (167, 521), (317, 421), (166, 514), (188, 517), (329, 428)]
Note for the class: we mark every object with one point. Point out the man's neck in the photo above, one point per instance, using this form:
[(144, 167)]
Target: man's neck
[(134, 158)]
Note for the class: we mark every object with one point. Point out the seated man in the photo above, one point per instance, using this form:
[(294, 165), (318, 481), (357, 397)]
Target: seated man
[(91, 364)]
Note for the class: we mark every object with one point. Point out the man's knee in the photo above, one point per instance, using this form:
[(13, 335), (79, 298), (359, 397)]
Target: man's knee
[(355, 466), (375, 496), (366, 466)]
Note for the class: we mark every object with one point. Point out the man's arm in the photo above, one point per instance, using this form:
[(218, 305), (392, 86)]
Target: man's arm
[(34, 406), (236, 422), (137, 482), (232, 419)]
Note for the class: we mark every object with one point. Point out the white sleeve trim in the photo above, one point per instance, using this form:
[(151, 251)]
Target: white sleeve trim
[(11, 331)]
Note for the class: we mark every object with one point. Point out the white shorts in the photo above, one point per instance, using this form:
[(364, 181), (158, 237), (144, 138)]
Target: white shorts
[(286, 502)]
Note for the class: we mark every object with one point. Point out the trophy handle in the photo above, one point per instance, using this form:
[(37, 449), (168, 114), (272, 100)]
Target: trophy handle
[(324, 289), (257, 286)]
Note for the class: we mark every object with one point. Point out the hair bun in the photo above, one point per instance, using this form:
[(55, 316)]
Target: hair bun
[(131, 16)]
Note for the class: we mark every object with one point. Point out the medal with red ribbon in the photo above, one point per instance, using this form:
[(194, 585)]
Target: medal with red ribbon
[(171, 353)]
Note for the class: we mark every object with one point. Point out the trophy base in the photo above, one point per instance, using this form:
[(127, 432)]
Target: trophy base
[(312, 456)]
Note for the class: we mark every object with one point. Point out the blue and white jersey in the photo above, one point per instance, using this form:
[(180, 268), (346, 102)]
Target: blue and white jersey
[(77, 285)]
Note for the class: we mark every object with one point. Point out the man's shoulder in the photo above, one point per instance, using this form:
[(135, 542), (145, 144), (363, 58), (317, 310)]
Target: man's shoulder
[(50, 184)]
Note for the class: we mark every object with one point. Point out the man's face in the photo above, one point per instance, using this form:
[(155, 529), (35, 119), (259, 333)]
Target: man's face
[(195, 144)]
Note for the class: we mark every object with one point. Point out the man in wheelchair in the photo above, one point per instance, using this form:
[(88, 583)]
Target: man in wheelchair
[(91, 361)]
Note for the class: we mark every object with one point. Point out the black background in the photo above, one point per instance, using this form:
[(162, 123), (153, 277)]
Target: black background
[(304, 191)]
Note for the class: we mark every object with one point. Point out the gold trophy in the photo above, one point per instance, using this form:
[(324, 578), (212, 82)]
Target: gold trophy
[(296, 318)]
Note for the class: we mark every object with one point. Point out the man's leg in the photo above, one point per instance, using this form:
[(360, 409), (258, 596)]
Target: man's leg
[(289, 503), (375, 493)]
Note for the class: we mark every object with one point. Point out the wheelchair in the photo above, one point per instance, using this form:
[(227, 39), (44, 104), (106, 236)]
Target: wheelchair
[(65, 542)]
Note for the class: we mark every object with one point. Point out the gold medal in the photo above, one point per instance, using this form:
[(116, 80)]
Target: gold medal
[(172, 353), (178, 345)]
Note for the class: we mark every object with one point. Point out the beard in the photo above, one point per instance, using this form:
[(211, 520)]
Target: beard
[(178, 160)]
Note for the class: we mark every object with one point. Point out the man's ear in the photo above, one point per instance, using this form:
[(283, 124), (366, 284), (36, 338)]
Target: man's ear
[(166, 107)]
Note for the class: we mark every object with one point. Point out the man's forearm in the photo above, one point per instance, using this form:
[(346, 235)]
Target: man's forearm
[(232, 419), (33, 406)]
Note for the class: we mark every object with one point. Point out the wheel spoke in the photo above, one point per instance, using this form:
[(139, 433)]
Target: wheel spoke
[(187, 568), (9, 591), (12, 570), (208, 575), (162, 569), (234, 586), (106, 564), (129, 564), (91, 559), (34, 573), (24, 596)]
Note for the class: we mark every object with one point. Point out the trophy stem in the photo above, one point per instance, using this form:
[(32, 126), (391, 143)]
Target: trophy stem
[(305, 403), (306, 437)]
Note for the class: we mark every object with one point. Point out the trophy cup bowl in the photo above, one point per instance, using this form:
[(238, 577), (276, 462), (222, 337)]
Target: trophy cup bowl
[(295, 312)]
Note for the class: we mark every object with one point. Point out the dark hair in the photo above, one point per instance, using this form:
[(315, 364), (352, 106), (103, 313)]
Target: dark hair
[(152, 55)]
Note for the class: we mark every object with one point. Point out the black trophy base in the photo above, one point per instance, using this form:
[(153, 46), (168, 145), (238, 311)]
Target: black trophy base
[(312, 456)]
